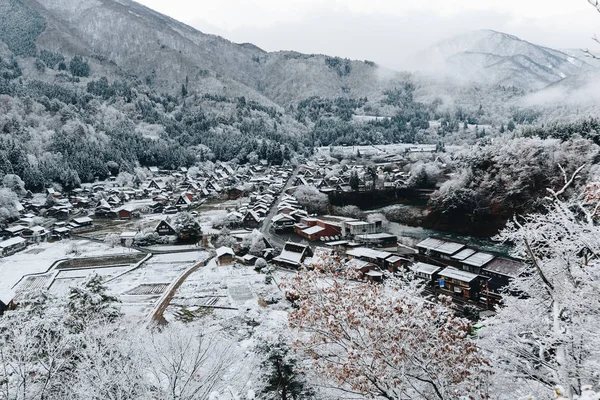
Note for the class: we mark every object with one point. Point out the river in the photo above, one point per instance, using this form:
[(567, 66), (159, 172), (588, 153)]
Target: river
[(418, 233)]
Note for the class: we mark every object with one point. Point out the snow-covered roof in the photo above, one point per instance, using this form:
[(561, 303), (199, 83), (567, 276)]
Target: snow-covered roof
[(280, 217), (15, 228), (449, 247), (289, 257), (221, 251), (355, 263), (313, 229), (441, 246), (337, 243), (366, 252), (127, 235), (458, 274), (37, 229), (464, 254), (504, 266), (425, 268), (430, 243), (11, 242), (82, 220), (6, 295), (478, 259)]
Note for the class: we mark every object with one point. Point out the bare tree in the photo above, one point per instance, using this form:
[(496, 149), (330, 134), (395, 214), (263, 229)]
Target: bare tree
[(596, 4), (184, 364)]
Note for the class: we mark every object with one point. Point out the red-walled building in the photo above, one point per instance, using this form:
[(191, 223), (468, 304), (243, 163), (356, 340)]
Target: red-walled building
[(314, 229)]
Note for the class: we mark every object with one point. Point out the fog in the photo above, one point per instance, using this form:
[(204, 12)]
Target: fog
[(385, 31)]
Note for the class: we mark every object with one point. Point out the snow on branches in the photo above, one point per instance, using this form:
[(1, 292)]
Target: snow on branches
[(383, 340), (546, 333)]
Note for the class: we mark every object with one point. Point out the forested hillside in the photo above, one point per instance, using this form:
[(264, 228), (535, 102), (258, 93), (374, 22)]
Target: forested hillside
[(77, 104)]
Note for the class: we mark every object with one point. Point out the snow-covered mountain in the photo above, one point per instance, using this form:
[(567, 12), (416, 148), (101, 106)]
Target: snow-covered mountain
[(497, 58), (124, 37)]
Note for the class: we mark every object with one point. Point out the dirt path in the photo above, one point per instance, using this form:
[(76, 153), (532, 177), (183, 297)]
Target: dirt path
[(158, 315)]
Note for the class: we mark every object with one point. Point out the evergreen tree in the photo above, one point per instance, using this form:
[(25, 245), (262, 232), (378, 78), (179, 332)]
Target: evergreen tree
[(282, 376), (511, 126), (354, 181), (89, 303)]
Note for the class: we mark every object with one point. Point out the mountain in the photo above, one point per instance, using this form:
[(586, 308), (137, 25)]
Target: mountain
[(117, 34), (497, 58)]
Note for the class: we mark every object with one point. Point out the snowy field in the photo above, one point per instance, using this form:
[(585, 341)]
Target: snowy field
[(232, 299), (39, 258), (234, 304), (140, 289)]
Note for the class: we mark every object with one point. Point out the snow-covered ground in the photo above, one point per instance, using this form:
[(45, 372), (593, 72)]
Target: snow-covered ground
[(39, 258), (140, 289), (232, 302)]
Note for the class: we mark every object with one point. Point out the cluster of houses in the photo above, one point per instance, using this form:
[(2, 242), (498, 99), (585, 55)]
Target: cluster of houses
[(23, 232), (448, 267), (329, 228), (338, 178), (164, 191), (462, 271)]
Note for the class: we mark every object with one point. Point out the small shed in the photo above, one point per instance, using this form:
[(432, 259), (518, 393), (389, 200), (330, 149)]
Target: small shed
[(225, 255), (127, 236)]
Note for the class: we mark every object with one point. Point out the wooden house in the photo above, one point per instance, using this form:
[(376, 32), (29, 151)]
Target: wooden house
[(427, 272), (183, 201), (125, 213), (283, 222), (251, 219), (12, 245), (235, 193), (225, 255), (83, 224), (13, 231), (460, 283), (293, 255), (36, 234), (163, 228)]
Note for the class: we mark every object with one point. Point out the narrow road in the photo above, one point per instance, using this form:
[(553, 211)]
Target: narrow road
[(158, 315), (265, 229)]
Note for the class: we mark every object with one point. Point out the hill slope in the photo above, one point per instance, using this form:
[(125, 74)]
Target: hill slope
[(122, 32)]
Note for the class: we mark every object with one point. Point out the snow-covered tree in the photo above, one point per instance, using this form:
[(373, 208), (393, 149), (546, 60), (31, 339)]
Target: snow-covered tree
[(183, 364), (187, 227), (89, 304), (547, 334), (310, 198), (110, 366), (14, 183), (281, 374), (384, 340), (37, 351), (379, 217), (254, 242), (112, 239)]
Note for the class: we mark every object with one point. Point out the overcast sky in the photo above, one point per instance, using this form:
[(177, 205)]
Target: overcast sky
[(384, 31)]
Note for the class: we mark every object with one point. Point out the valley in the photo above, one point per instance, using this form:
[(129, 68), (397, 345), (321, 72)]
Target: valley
[(183, 217)]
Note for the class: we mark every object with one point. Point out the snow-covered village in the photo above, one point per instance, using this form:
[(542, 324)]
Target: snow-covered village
[(192, 210)]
